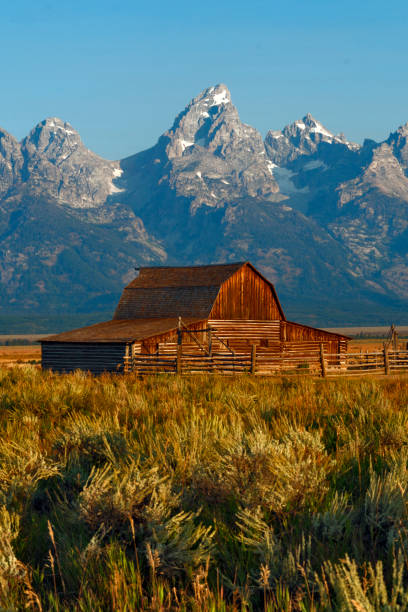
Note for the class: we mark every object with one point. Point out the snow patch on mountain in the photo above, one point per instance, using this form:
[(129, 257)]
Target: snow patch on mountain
[(221, 98), (283, 177), (185, 144), (319, 129), (58, 124), (314, 164)]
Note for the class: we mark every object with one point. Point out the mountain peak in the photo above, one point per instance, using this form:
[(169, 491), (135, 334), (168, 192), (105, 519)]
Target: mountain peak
[(53, 136), (309, 120), (217, 95), (302, 137), (213, 155), (309, 117), (53, 125), (198, 123), (310, 125), (398, 140), (403, 129)]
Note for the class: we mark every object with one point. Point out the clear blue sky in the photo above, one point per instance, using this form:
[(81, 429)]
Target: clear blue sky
[(121, 71)]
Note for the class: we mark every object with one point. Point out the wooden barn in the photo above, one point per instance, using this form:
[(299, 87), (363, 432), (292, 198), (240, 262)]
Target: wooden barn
[(227, 310)]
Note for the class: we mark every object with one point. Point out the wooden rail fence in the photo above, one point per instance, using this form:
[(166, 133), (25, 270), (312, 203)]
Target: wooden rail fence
[(294, 363)]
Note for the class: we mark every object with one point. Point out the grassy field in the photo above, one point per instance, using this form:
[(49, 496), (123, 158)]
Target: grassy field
[(370, 332), (11, 356), (202, 493)]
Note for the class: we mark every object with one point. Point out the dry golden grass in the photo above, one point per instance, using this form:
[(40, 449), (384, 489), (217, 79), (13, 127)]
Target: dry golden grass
[(371, 345), (13, 355), (202, 493)]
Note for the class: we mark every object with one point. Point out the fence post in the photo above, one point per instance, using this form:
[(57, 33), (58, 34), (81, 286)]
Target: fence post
[(178, 359), (126, 359), (179, 347), (253, 359), (386, 360), (323, 361)]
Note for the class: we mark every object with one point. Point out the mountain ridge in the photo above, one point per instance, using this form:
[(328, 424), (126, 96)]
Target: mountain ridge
[(318, 214)]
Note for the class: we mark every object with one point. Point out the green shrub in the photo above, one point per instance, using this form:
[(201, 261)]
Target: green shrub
[(202, 493)]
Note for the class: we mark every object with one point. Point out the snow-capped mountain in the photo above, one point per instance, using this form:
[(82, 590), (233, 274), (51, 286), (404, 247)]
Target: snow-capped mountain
[(208, 156), (326, 219), (303, 137), (55, 158), (65, 241)]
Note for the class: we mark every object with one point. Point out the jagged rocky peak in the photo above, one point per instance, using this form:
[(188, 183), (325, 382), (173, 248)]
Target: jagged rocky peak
[(302, 137), (58, 126), (402, 131), (11, 161), (309, 127), (8, 144), (398, 141), (192, 126), (56, 157), (211, 122), (213, 155), (52, 138)]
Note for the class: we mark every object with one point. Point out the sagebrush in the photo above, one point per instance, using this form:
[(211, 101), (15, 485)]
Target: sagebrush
[(202, 493)]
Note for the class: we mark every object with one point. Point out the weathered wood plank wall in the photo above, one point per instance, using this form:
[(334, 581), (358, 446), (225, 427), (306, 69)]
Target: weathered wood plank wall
[(70, 356), (297, 333), (152, 345), (240, 335), (245, 295)]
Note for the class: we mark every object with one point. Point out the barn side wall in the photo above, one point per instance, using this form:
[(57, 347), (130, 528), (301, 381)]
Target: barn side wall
[(270, 337), (246, 295), (302, 334), (70, 356), (241, 335), (152, 345)]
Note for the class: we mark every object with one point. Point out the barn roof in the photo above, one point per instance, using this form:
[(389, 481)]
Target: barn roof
[(160, 292), (120, 331), (184, 276)]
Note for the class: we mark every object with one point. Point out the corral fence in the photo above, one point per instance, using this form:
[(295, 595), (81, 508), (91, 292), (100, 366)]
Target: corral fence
[(312, 363)]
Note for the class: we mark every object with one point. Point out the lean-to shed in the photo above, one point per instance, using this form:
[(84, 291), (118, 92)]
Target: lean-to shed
[(235, 301)]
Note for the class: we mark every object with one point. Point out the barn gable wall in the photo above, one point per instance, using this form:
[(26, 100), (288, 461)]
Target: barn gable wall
[(246, 295)]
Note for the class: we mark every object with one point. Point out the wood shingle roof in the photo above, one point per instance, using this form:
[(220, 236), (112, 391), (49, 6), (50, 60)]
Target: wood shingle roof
[(174, 291), (120, 331), (184, 276)]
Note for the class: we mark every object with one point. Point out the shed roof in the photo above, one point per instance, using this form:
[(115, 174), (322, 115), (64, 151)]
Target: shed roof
[(174, 291), (120, 331)]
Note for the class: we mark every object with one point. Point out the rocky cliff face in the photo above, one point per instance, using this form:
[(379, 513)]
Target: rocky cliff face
[(324, 218), (56, 161), (302, 138), (65, 240), (214, 156), (371, 220), (208, 156), (11, 162)]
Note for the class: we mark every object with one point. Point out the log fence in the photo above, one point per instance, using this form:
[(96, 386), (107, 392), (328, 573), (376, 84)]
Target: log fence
[(307, 363)]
